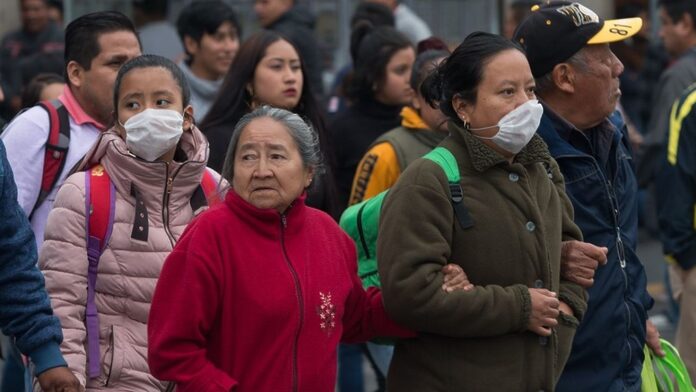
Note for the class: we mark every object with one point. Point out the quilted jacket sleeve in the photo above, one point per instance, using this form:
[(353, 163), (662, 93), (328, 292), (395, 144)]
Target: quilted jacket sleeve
[(63, 260)]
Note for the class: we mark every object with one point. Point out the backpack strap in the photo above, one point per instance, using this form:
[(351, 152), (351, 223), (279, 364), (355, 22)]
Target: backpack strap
[(446, 160), (56, 148), (100, 199), (206, 194)]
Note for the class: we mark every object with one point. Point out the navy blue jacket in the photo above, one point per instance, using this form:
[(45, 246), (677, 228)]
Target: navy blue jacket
[(677, 184), (25, 310), (607, 353)]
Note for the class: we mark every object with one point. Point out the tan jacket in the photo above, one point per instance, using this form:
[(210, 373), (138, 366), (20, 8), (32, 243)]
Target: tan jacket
[(477, 340), (129, 266)]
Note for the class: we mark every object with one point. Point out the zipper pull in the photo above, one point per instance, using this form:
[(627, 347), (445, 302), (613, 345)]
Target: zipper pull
[(620, 248), (170, 183), (284, 221)]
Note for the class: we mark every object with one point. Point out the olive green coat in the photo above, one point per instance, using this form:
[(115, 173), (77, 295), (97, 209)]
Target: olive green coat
[(477, 340)]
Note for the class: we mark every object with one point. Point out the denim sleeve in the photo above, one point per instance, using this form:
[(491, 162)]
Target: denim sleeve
[(25, 309)]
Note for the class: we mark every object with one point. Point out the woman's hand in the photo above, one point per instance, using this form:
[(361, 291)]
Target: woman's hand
[(565, 309), (455, 278), (544, 311)]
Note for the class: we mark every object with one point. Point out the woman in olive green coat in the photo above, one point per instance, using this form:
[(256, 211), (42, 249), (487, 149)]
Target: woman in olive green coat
[(514, 330)]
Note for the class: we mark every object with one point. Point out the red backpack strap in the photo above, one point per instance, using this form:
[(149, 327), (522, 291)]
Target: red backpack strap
[(210, 188), (206, 194), (100, 201), (56, 148)]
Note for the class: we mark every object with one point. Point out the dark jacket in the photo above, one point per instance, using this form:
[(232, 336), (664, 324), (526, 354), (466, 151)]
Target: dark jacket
[(24, 55), (673, 81), (352, 133), (477, 340), (600, 181), (677, 184), (297, 25), (25, 310)]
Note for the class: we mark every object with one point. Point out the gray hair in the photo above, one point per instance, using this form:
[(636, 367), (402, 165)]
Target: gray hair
[(578, 61), (301, 132)]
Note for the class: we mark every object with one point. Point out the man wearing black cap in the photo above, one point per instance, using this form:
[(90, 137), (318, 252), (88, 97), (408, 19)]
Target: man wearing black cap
[(577, 79)]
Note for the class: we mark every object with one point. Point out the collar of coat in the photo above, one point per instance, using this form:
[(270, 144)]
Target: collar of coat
[(484, 157)]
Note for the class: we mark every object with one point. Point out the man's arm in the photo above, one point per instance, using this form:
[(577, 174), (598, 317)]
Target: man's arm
[(25, 141), (25, 310)]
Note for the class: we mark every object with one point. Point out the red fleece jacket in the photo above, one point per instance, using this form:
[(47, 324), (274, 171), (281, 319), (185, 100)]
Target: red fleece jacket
[(252, 300)]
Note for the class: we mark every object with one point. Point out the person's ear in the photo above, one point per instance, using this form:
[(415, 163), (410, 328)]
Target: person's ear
[(416, 102), (687, 23), (463, 108), (117, 124), (75, 73), (309, 176), (188, 119), (564, 77), (190, 45)]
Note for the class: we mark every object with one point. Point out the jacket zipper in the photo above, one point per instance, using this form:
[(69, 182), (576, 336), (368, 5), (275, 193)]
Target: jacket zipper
[(300, 301), (619, 242), (165, 201), (113, 349)]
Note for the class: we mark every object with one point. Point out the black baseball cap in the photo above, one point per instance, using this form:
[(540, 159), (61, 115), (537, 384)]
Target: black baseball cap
[(555, 31)]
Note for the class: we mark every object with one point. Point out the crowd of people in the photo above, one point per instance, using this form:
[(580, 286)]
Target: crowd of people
[(170, 198)]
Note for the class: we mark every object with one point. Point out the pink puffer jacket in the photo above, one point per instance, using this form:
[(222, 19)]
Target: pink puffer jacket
[(131, 263)]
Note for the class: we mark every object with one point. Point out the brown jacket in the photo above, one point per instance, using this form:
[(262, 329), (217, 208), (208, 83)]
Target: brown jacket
[(477, 340)]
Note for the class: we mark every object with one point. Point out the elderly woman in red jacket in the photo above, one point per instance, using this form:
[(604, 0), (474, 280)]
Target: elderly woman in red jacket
[(261, 288)]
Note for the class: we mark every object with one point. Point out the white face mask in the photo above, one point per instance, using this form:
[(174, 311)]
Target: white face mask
[(517, 127), (153, 132)]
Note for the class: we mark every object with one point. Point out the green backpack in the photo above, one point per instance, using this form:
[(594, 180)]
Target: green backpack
[(361, 221)]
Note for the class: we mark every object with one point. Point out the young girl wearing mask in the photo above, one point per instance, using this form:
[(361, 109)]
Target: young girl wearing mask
[(155, 158)]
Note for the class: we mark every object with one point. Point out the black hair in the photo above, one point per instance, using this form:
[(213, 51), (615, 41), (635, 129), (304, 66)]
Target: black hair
[(57, 4), (31, 95), (371, 48), (234, 100), (460, 74), (676, 9), (205, 17), (150, 61), (424, 65), (152, 7), (375, 13), (82, 35), (229, 107)]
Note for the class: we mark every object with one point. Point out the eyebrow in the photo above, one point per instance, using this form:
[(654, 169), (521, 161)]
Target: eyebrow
[(504, 82), (139, 94), (117, 57), (132, 95), (283, 59), (163, 92), (271, 146)]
